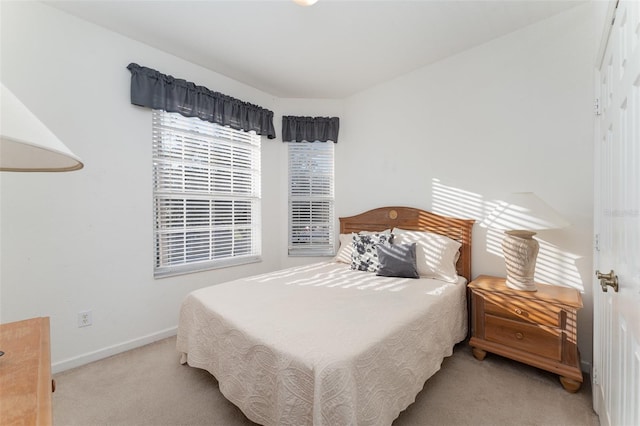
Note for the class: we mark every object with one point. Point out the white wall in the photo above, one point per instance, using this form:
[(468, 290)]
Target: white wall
[(83, 240), (512, 115)]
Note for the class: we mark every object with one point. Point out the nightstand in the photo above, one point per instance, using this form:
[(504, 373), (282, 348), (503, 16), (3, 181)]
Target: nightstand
[(538, 328)]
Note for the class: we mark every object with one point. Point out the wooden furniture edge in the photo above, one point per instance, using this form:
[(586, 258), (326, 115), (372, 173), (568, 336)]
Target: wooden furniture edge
[(17, 349), (46, 385), (560, 369), (546, 292)]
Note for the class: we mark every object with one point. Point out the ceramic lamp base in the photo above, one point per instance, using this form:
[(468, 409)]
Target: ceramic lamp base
[(520, 253)]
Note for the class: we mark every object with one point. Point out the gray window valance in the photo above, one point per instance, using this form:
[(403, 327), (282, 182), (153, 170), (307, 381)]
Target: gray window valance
[(310, 129), (152, 89)]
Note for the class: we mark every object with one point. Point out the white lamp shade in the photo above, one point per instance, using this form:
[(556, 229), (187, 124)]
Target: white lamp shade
[(524, 211), (26, 144)]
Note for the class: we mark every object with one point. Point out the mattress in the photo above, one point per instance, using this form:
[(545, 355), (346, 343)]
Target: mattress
[(322, 344)]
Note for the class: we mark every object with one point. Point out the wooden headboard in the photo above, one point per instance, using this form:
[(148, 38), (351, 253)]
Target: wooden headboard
[(416, 220)]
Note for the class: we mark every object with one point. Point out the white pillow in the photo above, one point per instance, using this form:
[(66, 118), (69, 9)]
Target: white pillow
[(346, 245), (436, 255)]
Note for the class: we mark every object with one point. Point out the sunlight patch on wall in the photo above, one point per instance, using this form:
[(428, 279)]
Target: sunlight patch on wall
[(557, 266), (455, 202), (553, 266), (494, 241)]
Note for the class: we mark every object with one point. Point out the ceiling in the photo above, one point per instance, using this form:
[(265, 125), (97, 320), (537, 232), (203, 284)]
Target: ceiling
[(332, 49)]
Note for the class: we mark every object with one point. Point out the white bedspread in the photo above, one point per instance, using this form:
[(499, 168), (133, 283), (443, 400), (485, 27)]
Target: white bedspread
[(322, 344)]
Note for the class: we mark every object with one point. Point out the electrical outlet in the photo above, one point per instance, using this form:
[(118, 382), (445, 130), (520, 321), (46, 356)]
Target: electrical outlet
[(84, 319)]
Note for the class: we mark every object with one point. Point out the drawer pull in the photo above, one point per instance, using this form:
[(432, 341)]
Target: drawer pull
[(519, 336), (518, 311)]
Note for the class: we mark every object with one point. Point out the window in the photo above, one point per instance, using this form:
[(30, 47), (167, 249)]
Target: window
[(206, 195), (311, 200)]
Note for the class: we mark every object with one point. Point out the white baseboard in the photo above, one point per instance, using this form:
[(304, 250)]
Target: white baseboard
[(111, 350)]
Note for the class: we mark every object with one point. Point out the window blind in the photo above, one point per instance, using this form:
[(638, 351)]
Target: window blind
[(311, 199), (206, 192)]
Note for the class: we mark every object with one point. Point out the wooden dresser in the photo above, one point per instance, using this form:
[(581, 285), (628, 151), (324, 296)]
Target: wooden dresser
[(25, 373), (538, 328)]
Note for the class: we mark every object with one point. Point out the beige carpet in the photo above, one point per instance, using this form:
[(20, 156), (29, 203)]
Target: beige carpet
[(147, 386)]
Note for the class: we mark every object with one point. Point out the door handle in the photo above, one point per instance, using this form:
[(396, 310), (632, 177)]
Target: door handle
[(610, 279)]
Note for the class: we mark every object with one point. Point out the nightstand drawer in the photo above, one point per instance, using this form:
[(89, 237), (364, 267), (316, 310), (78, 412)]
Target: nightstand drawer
[(535, 313), (539, 340), (535, 327)]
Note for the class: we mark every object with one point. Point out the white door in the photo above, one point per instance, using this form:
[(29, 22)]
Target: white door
[(616, 350)]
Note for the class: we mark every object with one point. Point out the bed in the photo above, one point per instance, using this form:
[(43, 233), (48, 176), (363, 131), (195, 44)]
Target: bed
[(323, 344)]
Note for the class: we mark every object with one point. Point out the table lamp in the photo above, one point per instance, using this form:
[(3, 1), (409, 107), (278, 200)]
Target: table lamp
[(26, 144), (520, 215)]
